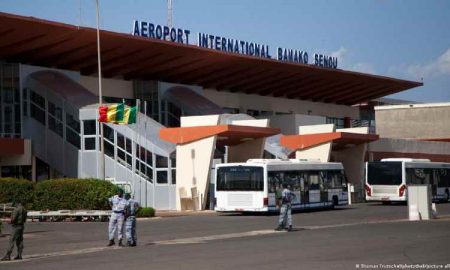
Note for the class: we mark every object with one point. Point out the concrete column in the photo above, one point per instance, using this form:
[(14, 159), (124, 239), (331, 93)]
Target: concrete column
[(33, 169), (193, 165), (248, 149), (321, 152)]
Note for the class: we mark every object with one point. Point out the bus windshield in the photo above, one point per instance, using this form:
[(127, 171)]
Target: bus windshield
[(384, 173), (240, 178)]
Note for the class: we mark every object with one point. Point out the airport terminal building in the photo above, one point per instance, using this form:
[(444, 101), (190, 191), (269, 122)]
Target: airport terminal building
[(49, 104)]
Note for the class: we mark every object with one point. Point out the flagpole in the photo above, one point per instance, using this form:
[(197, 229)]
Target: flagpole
[(100, 97)]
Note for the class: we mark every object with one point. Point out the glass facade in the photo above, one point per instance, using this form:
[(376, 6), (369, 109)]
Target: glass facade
[(127, 152), (10, 105)]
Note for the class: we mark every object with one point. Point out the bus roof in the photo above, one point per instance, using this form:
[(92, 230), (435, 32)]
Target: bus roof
[(276, 164), (284, 161)]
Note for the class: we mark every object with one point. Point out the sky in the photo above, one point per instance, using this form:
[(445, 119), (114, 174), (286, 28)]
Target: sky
[(405, 39)]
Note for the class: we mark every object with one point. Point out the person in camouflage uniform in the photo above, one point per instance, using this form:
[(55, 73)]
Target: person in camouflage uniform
[(18, 219), (285, 218), (116, 220), (132, 207)]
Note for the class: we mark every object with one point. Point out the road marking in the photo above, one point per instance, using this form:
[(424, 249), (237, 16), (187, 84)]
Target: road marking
[(204, 239), (63, 253)]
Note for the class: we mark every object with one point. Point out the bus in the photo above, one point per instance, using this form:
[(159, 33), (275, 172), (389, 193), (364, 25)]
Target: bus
[(252, 186), (387, 180)]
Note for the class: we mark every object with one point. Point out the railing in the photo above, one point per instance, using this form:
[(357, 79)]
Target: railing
[(364, 123)]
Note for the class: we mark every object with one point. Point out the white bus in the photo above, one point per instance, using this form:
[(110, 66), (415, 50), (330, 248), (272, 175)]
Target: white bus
[(252, 186), (387, 180)]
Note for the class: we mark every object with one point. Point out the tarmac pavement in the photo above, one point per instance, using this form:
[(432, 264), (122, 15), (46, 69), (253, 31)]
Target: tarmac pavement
[(362, 235)]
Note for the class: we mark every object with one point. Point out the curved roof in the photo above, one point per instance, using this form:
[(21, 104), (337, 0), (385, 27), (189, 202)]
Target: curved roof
[(64, 86), (190, 102), (51, 44)]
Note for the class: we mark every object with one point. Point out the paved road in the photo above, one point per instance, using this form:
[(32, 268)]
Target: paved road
[(362, 234)]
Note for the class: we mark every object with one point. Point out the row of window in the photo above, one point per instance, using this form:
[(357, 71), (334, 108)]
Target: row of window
[(439, 177), (10, 115), (143, 157), (307, 180), (54, 118)]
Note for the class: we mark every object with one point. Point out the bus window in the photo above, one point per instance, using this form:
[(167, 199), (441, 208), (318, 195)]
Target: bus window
[(240, 179), (444, 176), (314, 181), (275, 179), (292, 178), (419, 176), (384, 173)]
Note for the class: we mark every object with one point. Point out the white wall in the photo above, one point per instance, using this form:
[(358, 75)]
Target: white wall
[(409, 146), (110, 87), (266, 103), (289, 123), (194, 161), (321, 151)]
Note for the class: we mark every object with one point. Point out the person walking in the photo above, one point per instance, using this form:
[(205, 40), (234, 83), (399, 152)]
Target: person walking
[(117, 204), (18, 219), (132, 207), (285, 218)]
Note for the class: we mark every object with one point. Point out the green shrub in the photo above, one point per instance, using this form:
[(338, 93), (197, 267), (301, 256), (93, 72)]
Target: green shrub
[(146, 212), (19, 190), (73, 194)]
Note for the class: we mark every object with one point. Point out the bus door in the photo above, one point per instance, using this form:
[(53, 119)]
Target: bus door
[(433, 181), (323, 179), (314, 187)]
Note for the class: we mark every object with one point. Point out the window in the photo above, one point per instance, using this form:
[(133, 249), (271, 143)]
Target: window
[(108, 133), (173, 160), (72, 123), (174, 177), (384, 173), (295, 179), (89, 143), (120, 154), (419, 176), (128, 145), (120, 141), (161, 162), (161, 177), (72, 137), (109, 149), (230, 110), (333, 179), (37, 99), (444, 177), (240, 178), (55, 111), (37, 113), (25, 101), (55, 126), (89, 127), (338, 122), (54, 119), (149, 158)]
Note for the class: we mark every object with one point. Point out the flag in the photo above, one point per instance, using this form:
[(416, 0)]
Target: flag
[(117, 114)]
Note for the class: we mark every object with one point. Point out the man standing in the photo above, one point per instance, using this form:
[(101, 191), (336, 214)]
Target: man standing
[(117, 204), (130, 222), (18, 219), (286, 209)]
